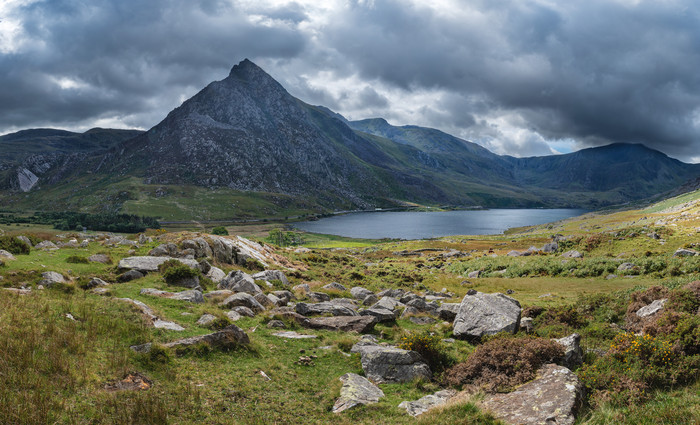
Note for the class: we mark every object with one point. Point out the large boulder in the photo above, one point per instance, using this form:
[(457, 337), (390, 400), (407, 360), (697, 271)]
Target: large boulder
[(311, 309), (486, 314), (554, 397), (243, 299), (46, 245), (269, 275), (51, 278), (684, 252), (360, 293), (448, 311), (148, 264), (199, 247), (380, 314), (422, 405), (390, 364), (222, 250), (239, 281), (356, 391), (164, 250), (216, 275), (359, 324)]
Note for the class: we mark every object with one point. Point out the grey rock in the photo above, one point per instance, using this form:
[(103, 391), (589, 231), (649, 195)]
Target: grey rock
[(204, 266), (276, 324), (238, 281), (318, 297), (150, 264), (335, 286), (486, 314), (46, 245), (219, 293), (554, 397), (391, 293), (573, 354), (356, 391), (206, 319), (276, 302), (422, 320), (130, 275), (304, 288), (272, 275), (243, 299), (550, 247), (390, 364), (475, 274), (100, 258), (683, 252), (143, 239), (626, 266), (359, 324), (448, 311), (150, 315), (96, 282), (164, 250), (216, 275), (307, 309), (370, 300), (187, 282), (344, 301), (5, 255), (388, 303), (229, 337), (25, 240), (51, 278), (572, 254), (381, 314), (422, 405), (294, 335), (651, 309), (360, 293), (192, 296), (514, 253), (243, 311), (409, 312), (264, 300), (233, 315), (199, 246), (287, 296), (526, 324)]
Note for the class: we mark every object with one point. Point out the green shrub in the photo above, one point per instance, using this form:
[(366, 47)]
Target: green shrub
[(635, 365), (219, 230), (254, 265), (428, 346), (174, 271), (76, 259), (13, 245), (502, 363)]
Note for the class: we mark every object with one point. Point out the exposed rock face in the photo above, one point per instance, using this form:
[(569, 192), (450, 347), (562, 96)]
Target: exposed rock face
[(356, 390), (486, 314), (649, 310), (216, 274), (448, 311), (573, 354), (324, 308), (150, 264), (422, 405), (554, 397), (199, 246), (269, 275), (359, 324), (384, 364), (26, 179)]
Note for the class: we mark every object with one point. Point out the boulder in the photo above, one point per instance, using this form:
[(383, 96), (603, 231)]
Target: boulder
[(164, 250), (573, 354), (227, 338), (187, 282), (215, 274), (550, 247), (360, 293), (243, 299), (514, 253), (269, 275), (219, 293), (319, 297), (222, 250), (51, 278), (486, 314), (264, 300), (96, 282), (391, 293), (626, 267), (5, 255), (204, 266), (554, 397), (150, 264), (206, 320), (335, 286), (475, 274), (192, 296), (100, 258), (233, 315), (304, 288), (388, 303), (129, 276), (572, 254), (150, 315), (356, 391), (683, 252), (448, 311), (422, 405), (380, 314), (243, 311), (25, 240), (199, 246), (239, 281), (287, 296), (359, 324), (370, 300), (390, 364), (308, 309), (46, 245), (143, 239), (651, 309)]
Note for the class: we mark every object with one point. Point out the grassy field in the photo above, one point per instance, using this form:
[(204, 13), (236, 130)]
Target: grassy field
[(61, 348)]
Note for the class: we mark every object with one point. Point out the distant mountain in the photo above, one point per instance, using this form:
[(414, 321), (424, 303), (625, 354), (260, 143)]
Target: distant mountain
[(246, 137)]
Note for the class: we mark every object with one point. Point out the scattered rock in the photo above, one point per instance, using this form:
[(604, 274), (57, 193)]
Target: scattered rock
[(475, 274), (227, 338), (154, 320), (626, 266), (233, 315), (269, 275), (6, 255), (96, 282), (243, 311), (264, 301), (293, 335), (46, 245), (390, 364), (276, 324), (100, 258), (550, 247), (360, 293), (652, 309), (422, 405), (356, 391), (526, 324), (150, 264), (25, 240), (192, 295), (206, 320), (51, 278), (448, 311), (164, 250), (572, 254), (307, 309), (130, 275), (238, 281), (381, 314), (422, 320), (215, 274), (554, 397), (486, 314), (243, 299), (335, 286), (683, 252), (319, 297)]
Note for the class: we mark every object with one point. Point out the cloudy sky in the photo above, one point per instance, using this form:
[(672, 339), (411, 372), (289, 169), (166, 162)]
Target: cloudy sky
[(521, 77)]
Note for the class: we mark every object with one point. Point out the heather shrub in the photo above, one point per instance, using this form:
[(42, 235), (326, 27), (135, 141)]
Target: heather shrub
[(503, 363), (13, 245)]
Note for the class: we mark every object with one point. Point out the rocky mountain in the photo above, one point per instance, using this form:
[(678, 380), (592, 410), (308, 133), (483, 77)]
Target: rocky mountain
[(247, 135)]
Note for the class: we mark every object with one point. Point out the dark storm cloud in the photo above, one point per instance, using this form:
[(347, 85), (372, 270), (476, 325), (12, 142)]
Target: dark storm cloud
[(83, 60), (596, 71)]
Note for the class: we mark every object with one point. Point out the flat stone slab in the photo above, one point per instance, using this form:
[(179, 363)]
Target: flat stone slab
[(554, 397), (192, 295), (311, 309), (359, 324), (230, 336), (356, 391), (651, 309), (150, 264), (387, 364), (422, 405), (293, 335)]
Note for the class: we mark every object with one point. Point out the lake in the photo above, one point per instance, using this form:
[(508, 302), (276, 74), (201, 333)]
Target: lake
[(425, 225)]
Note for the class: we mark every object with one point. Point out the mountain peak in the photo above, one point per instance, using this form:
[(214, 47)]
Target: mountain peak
[(246, 69)]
